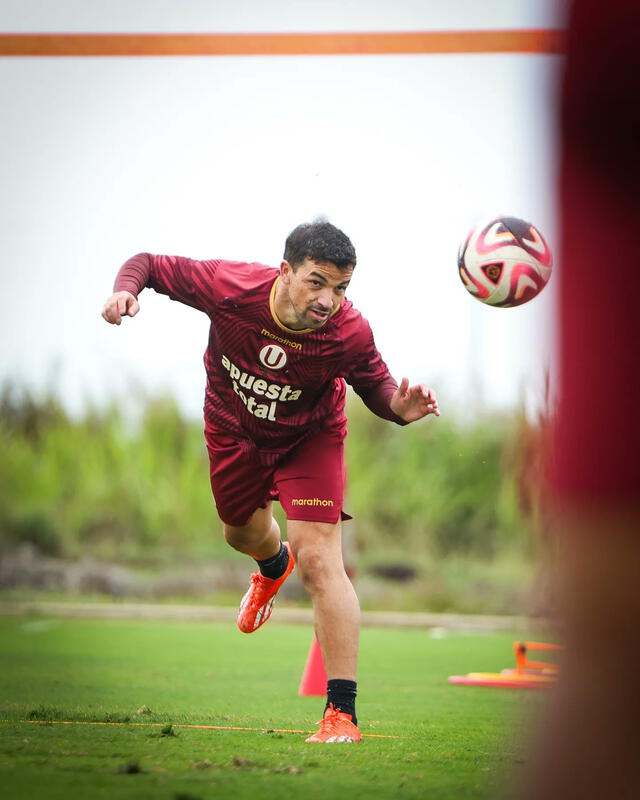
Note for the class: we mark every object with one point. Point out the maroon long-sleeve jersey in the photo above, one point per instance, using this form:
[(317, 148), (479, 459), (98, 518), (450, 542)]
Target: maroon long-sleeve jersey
[(266, 382)]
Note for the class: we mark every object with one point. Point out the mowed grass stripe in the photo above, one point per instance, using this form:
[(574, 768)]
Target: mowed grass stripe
[(457, 741)]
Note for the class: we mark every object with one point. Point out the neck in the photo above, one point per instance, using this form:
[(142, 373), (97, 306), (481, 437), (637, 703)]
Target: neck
[(281, 309)]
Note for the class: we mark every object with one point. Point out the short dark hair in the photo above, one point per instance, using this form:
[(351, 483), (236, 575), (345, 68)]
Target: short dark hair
[(319, 241)]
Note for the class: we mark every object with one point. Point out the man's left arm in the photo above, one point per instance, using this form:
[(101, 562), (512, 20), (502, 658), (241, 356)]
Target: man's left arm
[(372, 381), (414, 402)]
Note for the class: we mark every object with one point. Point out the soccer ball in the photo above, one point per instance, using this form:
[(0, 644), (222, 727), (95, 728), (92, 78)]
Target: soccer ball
[(505, 262)]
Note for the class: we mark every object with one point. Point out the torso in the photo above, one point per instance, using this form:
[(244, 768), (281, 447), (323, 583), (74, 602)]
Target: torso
[(267, 383)]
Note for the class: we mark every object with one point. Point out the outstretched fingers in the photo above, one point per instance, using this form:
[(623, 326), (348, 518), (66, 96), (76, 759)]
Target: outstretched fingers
[(414, 402), (431, 400)]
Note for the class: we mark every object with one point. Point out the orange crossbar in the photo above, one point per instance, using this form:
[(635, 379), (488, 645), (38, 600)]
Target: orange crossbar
[(281, 44)]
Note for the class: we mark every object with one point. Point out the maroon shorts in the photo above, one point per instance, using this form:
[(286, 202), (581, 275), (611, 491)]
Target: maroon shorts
[(308, 480)]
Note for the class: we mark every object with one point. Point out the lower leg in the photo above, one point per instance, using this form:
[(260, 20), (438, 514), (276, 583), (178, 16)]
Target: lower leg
[(317, 549), (337, 624)]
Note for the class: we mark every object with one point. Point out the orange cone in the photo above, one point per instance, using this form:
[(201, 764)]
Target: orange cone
[(314, 677)]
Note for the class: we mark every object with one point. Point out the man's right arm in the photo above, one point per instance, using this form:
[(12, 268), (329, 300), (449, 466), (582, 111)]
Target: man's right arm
[(120, 304), (182, 279)]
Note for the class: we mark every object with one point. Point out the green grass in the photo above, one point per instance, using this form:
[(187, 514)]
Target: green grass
[(457, 741)]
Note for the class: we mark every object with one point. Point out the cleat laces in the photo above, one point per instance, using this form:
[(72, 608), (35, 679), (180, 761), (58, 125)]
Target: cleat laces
[(330, 725), (258, 591)]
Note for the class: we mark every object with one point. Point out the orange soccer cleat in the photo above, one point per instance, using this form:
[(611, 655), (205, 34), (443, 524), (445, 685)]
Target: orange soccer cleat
[(257, 604), (336, 727)]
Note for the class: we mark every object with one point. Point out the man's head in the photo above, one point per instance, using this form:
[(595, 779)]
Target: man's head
[(318, 263), (322, 242)]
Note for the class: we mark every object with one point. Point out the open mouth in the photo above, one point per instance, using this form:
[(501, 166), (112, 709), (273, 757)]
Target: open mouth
[(319, 316)]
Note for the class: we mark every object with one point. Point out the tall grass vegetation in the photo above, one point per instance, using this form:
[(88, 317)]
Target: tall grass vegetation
[(444, 511)]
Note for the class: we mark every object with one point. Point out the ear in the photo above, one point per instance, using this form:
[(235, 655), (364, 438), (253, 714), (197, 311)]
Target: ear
[(286, 271)]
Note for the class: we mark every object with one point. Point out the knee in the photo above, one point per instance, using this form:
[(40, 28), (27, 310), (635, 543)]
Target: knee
[(253, 534), (317, 568), (244, 536), (234, 536)]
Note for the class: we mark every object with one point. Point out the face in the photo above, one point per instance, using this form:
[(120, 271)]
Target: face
[(311, 294)]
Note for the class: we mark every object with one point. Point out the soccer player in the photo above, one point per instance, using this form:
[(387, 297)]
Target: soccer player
[(589, 739), (281, 346)]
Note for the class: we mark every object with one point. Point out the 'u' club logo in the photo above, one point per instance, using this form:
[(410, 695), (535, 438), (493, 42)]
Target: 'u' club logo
[(272, 356)]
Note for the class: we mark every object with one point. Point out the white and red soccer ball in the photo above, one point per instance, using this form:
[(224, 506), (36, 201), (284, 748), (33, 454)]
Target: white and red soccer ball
[(505, 262)]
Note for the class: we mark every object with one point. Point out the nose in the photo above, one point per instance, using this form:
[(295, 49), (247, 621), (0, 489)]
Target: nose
[(325, 299)]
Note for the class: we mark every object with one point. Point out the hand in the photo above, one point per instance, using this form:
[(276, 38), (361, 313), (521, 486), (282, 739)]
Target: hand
[(119, 305), (415, 402)]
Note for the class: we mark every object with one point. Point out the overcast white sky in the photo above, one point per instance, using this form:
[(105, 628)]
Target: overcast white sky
[(221, 157)]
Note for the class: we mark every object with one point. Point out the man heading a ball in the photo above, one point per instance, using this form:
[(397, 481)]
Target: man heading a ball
[(282, 344)]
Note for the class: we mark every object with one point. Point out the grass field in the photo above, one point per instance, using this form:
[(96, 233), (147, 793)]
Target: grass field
[(458, 742)]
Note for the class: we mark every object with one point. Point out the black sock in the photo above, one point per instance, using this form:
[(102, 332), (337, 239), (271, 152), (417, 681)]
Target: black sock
[(275, 566), (342, 694)]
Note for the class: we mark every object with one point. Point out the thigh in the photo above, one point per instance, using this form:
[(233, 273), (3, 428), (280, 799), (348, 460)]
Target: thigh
[(310, 481), (240, 485)]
